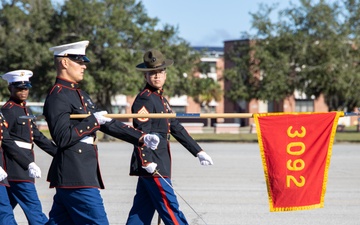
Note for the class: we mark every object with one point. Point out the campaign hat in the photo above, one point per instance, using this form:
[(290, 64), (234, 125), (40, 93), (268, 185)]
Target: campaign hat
[(154, 60)]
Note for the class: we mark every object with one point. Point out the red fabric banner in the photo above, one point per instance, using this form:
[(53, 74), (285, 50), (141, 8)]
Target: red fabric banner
[(296, 150)]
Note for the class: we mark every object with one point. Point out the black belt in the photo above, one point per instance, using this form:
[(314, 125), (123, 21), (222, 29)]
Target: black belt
[(166, 136)]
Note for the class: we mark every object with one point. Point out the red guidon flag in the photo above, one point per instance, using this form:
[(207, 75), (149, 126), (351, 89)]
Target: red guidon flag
[(296, 150)]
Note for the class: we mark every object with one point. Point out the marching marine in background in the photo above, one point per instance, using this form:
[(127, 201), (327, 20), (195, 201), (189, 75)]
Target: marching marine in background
[(23, 159), (25, 133), (152, 192), (74, 171)]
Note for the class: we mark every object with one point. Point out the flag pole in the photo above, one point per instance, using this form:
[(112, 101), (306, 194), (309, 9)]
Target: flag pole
[(185, 115), (170, 115)]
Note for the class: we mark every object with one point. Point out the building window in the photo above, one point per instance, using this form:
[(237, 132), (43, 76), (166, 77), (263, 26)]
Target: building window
[(118, 109), (304, 105), (211, 108), (178, 109)]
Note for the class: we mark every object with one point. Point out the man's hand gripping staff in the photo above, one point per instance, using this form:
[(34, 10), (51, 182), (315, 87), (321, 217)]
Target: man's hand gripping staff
[(101, 118), (150, 140)]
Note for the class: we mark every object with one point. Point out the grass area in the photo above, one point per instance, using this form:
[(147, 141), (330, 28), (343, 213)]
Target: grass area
[(349, 134), (242, 137), (46, 133)]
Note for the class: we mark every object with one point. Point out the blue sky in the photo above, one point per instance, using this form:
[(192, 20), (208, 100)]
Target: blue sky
[(209, 22)]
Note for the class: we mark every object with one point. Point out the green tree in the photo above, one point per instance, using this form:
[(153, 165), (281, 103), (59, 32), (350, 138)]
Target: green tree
[(24, 35), (244, 80), (206, 90), (119, 33)]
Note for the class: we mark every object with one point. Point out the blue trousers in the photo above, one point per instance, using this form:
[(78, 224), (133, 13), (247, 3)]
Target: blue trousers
[(77, 206), (6, 211), (24, 194), (153, 193)]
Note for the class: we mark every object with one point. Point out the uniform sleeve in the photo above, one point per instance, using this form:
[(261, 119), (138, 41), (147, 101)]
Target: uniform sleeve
[(43, 142), (183, 137), (13, 151), (122, 131), (57, 111), (9, 116)]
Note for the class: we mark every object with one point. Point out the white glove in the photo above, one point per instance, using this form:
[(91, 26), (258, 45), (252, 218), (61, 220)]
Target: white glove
[(3, 174), (150, 168), (151, 140), (205, 159), (101, 118), (34, 170)]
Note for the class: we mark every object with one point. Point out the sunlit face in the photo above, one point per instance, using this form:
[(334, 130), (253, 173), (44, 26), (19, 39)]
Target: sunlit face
[(74, 70), (20, 94), (156, 78)]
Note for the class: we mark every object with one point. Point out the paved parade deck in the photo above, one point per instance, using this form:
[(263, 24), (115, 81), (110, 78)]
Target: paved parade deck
[(231, 192)]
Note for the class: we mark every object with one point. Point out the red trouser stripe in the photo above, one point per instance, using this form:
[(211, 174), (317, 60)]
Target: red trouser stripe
[(166, 203)]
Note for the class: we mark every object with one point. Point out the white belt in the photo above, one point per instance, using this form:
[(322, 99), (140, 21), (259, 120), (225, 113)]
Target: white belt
[(88, 140), (23, 144)]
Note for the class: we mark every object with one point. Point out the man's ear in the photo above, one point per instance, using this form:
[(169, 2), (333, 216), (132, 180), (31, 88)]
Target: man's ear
[(64, 62)]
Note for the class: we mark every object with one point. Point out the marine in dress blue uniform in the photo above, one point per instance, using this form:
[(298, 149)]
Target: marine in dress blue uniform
[(74, 171), (6, 210), (25, 133), (152, 192)]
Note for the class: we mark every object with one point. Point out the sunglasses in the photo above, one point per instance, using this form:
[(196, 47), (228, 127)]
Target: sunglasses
[(76, 58)]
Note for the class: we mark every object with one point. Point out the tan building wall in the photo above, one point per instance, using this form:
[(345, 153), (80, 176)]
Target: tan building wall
[(320, 105)]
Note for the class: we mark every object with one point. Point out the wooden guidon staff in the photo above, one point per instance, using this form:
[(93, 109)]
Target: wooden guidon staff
[(170, 115)]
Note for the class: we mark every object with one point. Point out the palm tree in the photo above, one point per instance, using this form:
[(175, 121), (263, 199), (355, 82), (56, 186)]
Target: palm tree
[(205, 91)]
